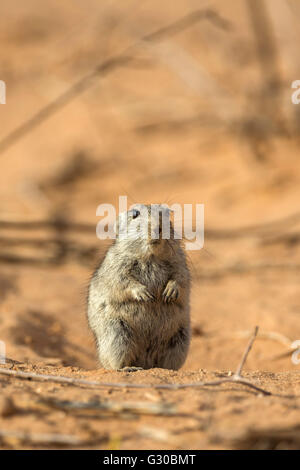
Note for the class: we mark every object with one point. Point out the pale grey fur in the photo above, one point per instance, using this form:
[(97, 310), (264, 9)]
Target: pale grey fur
[(138, 300)]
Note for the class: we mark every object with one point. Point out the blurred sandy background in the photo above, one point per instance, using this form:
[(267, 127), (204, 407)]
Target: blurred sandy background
[(186, 102)]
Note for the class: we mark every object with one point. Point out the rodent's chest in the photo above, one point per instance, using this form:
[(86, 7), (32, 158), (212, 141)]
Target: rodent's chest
[(153, 274)]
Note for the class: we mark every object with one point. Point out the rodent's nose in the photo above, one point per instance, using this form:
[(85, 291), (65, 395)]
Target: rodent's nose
[(157, 226)]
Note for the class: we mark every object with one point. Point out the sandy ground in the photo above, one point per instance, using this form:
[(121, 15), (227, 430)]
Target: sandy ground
[(140, 131)]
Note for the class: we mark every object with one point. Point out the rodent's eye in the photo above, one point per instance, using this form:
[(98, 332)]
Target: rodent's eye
[(135, 213)]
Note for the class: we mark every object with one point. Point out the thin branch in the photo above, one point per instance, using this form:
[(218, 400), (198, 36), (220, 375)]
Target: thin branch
[(94, 383), (9, 360), (109, 65), (240, 268), (248, 230), (261, 229), (271, 335), (186, 22), (114, 407), (236, 378), (53, 223), (268, 57), (79, 87), (246, 353), (286, 238), (47, 439)]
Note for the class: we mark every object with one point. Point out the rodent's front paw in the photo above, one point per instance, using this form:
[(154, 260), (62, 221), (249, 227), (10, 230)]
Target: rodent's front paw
[(171, 292), (141, 294)]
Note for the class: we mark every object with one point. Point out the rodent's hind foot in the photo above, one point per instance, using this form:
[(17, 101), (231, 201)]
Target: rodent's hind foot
[(129, 369), (171, 292)]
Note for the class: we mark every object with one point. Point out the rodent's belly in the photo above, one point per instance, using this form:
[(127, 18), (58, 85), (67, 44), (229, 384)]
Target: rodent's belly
[(151, 318)]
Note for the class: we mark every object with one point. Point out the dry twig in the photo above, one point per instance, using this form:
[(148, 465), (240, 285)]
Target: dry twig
[(241, 268), (122, 60), (271, 335), (114, 407), (60, 248), (46, 439), (235, 378)]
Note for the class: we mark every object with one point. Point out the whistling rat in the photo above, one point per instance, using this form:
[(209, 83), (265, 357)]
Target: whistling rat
[(138, 298)]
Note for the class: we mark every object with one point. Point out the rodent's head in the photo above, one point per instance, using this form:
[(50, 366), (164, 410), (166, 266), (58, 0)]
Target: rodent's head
[(147, 229)]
